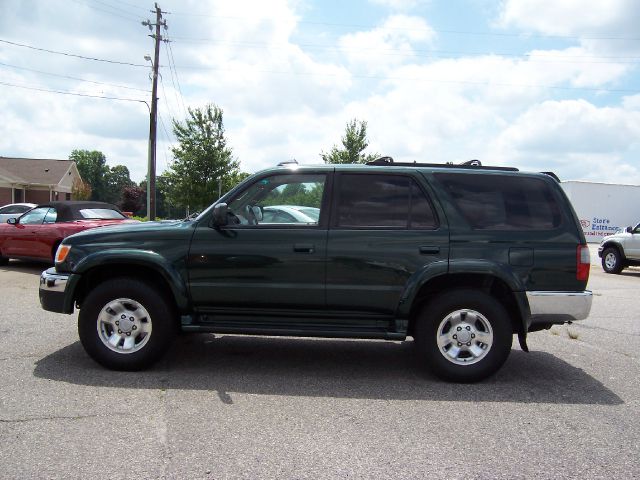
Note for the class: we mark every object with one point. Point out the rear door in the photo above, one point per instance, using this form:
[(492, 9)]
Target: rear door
[(384, 228)]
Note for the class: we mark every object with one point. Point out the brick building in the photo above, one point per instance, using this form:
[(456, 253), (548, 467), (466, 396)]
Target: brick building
[(36, 180)]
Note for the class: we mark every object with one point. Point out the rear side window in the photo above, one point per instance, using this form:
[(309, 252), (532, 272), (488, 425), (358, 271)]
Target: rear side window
[(100, 214), (391, 201), (502, 202)]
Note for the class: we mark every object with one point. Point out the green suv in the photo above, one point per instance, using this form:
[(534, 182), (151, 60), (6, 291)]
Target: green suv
[(459, 257)]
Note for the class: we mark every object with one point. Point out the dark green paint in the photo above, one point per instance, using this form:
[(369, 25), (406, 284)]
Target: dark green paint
[(325, 281)]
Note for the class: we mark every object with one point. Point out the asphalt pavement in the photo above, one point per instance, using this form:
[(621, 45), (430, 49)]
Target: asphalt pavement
[(253, 407)]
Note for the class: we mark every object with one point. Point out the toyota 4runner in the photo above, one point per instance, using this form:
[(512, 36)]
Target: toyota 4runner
[(459, 257)]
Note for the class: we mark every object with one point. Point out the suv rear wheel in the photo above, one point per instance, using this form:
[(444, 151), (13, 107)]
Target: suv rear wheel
[(463, 335), (612, 260), (125, 324)]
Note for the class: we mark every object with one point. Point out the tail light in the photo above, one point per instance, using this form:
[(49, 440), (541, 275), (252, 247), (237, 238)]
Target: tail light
[(583, 261)]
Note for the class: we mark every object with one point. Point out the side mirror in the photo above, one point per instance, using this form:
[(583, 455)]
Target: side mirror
[(629, 229), (220, 214), (257, 212), (12, 221)]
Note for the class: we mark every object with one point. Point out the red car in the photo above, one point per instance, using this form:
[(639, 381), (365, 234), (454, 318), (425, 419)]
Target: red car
[(36, 234)]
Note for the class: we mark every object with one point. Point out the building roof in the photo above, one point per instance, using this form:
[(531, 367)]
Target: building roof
[(34, 170)]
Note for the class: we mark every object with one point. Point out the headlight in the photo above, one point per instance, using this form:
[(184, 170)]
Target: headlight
[(62, 252)]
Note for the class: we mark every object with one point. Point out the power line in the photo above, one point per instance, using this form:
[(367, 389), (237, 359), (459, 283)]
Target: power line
[(74, 78), (131, 5), (164, 151), (445, 31), (62, 92), (66, 54), (172, 65), (118, 9), (166, 99), (79, 2), (419, 79), (426, 53)]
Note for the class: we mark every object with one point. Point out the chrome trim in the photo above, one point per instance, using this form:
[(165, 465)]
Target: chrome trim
[(53, 282), (559, 306)]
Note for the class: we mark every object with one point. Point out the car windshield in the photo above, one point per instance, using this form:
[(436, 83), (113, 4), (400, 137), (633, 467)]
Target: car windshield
[(101, 213)]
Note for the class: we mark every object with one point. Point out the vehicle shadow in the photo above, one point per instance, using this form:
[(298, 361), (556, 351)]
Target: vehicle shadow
[(328, 368), (635, 272), (25, 266)]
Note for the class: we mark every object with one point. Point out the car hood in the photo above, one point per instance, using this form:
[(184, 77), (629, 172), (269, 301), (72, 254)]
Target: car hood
[(126, 229)]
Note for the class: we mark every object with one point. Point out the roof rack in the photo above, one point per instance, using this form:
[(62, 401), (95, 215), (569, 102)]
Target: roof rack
[(288, 162), (552, 175), (470, 164)]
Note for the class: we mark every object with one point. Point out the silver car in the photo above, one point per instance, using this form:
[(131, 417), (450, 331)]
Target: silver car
[(14, 210)]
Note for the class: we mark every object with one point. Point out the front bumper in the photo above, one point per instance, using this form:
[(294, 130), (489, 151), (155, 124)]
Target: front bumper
[(53, 291), (559, 307)]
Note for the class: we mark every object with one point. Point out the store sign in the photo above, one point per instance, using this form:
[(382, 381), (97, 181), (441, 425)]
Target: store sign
[(598, 227)]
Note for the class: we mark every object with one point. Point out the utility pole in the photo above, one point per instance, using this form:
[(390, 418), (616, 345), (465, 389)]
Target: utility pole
[(151, 175)]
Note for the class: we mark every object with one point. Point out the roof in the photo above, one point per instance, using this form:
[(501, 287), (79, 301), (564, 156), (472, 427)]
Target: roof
[(34, 170), (70, 210)]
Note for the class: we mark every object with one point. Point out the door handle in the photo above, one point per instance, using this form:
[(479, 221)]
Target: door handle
[(429, 250), (304, 248)]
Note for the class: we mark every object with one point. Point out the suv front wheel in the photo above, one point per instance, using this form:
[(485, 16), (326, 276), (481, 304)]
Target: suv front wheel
[(463, 335), (125, 324)]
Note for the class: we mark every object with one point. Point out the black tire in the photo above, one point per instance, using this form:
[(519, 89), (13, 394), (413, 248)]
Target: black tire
[(612, 260), (153, 328), (4, 261), (486, 319)]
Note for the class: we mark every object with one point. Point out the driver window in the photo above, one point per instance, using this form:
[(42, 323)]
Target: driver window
[(34, 217), (293, 199)]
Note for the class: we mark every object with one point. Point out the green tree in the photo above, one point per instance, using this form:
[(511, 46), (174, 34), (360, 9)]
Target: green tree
[(354, 143), (202, 160), (117, 180), (92, 166)]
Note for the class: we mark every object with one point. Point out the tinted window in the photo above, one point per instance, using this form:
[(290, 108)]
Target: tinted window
[(502, 202), (393, 201)]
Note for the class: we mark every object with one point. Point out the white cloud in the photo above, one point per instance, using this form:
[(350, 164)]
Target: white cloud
[(582, 140), (573, 17), (387, 46), (283, 98), (399, 4), (573, 126)]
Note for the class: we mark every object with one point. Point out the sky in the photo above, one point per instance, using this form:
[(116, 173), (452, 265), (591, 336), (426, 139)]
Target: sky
[(533, 84)]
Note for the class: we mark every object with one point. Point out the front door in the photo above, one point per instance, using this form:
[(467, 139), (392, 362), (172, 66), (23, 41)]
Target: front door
[(25, 238), (632, 247), (271, 255)]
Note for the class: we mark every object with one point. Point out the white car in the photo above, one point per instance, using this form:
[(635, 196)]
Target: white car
[(620, 250), (14, 210), (290, 214)]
